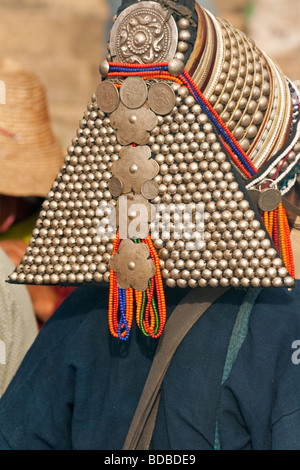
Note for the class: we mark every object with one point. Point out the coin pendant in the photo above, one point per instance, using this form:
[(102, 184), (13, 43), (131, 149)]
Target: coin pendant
[(161, 98), (115, 187), (107, 97), (133, 92), (150, 190), (269, 200)]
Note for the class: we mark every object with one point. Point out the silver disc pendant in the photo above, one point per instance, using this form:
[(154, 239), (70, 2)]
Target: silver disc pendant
[(133, 92), (269, 200), (161, 98), (142, 34), (107, 97)]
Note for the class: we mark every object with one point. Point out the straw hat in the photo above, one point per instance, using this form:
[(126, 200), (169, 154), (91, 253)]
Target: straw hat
[(30, 156)]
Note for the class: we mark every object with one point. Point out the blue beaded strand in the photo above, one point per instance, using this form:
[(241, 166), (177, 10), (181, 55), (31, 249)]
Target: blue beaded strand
[(139, 69), (220, 129), (123, 320)]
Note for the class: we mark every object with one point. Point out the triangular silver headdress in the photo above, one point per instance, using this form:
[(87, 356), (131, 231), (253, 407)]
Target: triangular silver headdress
[(178, 170)]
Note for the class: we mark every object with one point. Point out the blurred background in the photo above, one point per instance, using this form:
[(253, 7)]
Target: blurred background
[(63, 41)]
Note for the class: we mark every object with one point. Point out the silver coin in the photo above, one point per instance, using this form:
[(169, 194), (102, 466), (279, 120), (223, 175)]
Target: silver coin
[(107, 97), (116, 187), (150, 190), (269, 200), (161, 98), (133, 92)]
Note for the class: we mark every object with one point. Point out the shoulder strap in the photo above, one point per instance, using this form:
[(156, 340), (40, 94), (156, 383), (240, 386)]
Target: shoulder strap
[(190, 310)]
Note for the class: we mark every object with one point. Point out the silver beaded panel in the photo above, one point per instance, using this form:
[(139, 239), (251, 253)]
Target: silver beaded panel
[(65, 247), (193, 167), (242, 95)]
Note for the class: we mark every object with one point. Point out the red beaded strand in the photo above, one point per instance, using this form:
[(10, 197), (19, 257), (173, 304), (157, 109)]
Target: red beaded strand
[(275, 230), (290, 257), (159, 286), (113, 302)]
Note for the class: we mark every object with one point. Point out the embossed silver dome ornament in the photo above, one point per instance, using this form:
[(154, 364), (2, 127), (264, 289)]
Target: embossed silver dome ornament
[(185, 140), (142, 35)]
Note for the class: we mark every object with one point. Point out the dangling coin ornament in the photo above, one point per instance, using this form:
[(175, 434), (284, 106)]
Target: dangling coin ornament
[(269, 199), (107, 97), (133, 92), (150, 190), (116, 187), (161, 98)]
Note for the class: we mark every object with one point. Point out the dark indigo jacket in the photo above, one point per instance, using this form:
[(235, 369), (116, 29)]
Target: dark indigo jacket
[(78, 387)]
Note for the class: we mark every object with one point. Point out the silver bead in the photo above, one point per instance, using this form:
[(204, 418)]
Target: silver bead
[(180, 56), (175, 67), (202, 282), (183, 23), (171, 283), (282, 271), (182, 46), (263, 103), (260, 253), (183, 91), (266, 282), (258, 118), (289, 281), (182, 283), (260, 273), (195, 274), (265, 263), (277, 282), (255, 282), (224, 282), (239, 132), (271, 272), (252, 131), (104, 68), (228, 273), (234, 282), (277, 262), (192, 283), (265, 244), (184, 35)]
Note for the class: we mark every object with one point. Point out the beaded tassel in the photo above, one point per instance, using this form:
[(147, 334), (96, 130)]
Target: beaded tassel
[(149, 306), (286, 246), (158, 313), (276, 223), (113, 299)]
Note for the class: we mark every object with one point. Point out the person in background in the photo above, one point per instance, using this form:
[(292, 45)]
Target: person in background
[(30, 157), (18, 325)]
